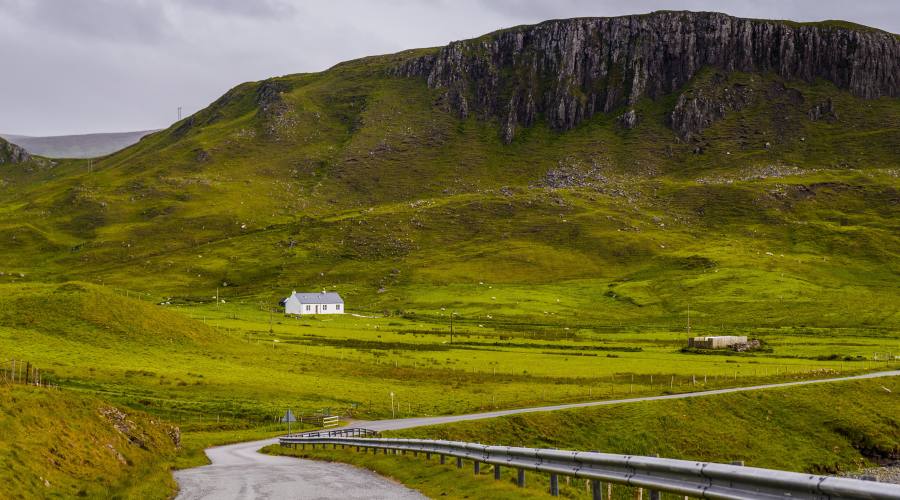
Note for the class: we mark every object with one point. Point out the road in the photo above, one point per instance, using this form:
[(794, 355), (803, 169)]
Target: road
[(406, 423), (238, 471)]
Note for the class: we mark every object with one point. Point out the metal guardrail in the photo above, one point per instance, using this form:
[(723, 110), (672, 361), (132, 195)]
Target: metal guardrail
[(683, 477), (342, 432)]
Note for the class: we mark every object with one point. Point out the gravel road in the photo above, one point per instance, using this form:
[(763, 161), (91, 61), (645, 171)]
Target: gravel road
[(239, 472)]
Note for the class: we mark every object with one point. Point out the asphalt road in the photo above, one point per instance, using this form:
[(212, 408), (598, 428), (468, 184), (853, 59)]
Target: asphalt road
[(406, 423), (238, 471)]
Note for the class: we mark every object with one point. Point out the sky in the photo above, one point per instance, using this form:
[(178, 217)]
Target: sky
[(84, 66)]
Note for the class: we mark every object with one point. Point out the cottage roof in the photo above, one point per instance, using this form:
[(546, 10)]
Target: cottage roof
[(318, 298)]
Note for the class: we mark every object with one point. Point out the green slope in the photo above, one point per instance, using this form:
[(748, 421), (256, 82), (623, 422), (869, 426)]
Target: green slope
[(55, 444), (357, 180)]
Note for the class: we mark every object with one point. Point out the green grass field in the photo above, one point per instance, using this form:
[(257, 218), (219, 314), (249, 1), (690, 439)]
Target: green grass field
[(822, 429), (208, 368)]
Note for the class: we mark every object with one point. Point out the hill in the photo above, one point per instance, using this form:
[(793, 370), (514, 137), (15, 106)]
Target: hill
[(77, 146), (56, 444), (603, 171)]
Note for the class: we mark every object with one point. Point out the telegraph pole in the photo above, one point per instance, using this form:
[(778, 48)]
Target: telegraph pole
[(451, 326), (689, 318), (179, 113)]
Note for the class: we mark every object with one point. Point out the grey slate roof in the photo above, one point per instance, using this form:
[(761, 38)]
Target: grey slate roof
[(318, 298)]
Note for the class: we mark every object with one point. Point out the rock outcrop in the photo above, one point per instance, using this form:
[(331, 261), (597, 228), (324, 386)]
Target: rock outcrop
[(568, 70), (10, 153), (277, 115), (698, 109)]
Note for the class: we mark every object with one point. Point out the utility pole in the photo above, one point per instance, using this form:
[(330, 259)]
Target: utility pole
[(451, 326), (689, 318), (179, 113), (217, 297), (392, 405)]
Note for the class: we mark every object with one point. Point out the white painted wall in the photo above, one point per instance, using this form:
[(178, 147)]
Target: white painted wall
[(321, 309)]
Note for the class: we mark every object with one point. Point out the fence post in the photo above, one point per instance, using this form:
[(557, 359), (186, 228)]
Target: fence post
[(554, 484), (520, 479), (653, 494)]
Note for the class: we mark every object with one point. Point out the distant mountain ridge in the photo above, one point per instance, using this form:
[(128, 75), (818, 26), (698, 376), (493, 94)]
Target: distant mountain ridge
[(77, 146)]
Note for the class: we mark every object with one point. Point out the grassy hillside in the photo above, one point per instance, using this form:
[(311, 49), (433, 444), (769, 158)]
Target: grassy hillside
[(55, 444), (355, 180), (818, 429)]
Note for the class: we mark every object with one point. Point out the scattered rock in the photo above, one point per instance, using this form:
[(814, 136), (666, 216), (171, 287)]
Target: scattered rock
[(629, 119), (823, 111), (202, 155)]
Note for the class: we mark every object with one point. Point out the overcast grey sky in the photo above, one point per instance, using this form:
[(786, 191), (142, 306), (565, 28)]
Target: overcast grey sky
[(80, 66)]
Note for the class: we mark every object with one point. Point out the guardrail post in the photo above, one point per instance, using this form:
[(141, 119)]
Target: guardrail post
[(653, 494), (428, 456), (596, 489), (477, 467), (520, 480), (496, 471), (458, 463), (554, 484)]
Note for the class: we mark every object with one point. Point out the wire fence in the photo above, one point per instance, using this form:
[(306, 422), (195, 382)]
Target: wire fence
[(18, 371)]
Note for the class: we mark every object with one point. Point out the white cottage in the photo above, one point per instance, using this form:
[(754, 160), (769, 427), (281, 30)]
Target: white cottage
[(314, 303)]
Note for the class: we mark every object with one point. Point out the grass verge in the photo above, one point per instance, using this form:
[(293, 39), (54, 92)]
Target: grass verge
[(826, 428)]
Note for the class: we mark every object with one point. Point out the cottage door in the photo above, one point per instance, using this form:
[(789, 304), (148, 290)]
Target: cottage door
[(317, 309)]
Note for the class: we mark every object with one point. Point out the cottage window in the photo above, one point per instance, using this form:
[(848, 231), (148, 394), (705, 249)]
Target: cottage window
[(324, 307), (338, 307), (307, 308)]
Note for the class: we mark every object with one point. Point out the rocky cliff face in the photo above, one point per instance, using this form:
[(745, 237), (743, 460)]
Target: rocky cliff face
[(568, 70), (10, 153)]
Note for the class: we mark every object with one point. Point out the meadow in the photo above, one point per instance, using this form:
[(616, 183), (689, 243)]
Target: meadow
[(233, 365), (821, 429)]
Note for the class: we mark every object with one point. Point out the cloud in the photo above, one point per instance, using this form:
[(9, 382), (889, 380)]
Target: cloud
[(114, 65), (128, 21), (261, 9)]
